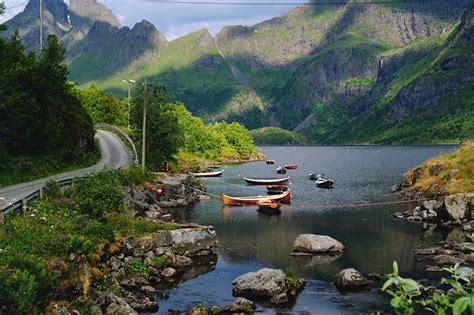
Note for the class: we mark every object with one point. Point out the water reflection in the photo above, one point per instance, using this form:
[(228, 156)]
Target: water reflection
[(372, 238)]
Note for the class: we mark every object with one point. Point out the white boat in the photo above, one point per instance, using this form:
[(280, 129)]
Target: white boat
[(208, 174), (324, 183)]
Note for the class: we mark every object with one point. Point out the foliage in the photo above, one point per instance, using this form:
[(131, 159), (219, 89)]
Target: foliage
[(408, 296), (291, 279), (133, 176), (98, 194), (163, 135), (104, 108), (277, 136), (137, 266), (157, 261), (40, 112), (35, 246), (51, 190)]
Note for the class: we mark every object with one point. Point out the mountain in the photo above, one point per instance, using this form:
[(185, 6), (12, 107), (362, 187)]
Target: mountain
[(377, 73)]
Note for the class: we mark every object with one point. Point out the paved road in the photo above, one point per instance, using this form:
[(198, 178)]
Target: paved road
[(114, 154)]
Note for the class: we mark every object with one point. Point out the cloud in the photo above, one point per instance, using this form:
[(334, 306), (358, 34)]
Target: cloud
[(176, 20)]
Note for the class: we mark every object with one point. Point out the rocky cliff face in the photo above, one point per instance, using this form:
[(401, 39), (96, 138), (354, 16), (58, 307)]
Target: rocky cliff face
[(338, 73)]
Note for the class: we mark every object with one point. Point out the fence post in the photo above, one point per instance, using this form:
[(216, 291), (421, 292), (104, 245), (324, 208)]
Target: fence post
[(24, 203), (41, 193), (2, 218)]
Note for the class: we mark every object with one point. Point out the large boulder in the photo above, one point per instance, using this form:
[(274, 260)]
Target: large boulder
[(262, 284), (313, 244), (457, 206), (349, 279), (193, 240)]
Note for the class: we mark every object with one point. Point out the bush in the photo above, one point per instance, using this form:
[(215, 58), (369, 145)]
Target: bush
[(98, 194), (17, 292), (137, 266), (157, 261), (51, 190), (133, 176), (407, 297)]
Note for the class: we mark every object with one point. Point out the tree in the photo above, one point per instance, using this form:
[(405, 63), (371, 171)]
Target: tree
[(2, 11), (40, 113), (103, 107), (164, 136)]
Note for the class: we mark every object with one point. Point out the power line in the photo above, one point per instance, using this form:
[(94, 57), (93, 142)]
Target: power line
[(16, 6), (288, 3)]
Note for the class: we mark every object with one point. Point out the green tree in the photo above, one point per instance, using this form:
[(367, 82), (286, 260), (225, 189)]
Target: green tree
[(164, 136), (40, 113), (104, 108)]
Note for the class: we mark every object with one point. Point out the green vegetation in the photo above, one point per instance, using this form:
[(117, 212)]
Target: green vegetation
[(462, 181), (407, 296), (277, 136), (44, 130), (36, 246), (104, 108)]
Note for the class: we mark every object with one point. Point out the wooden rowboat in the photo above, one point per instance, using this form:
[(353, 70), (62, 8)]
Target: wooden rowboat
[(284, 197), (276, 189), (291, 167), (208, 174), (270, 162), (267, 204), (271, 181)]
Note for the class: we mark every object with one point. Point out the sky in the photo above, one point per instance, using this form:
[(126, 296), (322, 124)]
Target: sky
[(176, 20)]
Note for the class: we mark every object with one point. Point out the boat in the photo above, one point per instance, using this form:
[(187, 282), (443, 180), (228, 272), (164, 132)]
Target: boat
[(324, 183), (270, 162), (284, 198), (208, 174), (281, 170), (270, 181), (316, 176), (291, 167), (276, 189), (267, 204)]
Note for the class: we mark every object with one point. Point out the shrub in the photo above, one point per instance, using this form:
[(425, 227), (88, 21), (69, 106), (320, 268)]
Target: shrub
[(407, 297), (157, 261), (51, 190), (133, 176), (290, 279), (98, 194), (17, 291), (137, 266)]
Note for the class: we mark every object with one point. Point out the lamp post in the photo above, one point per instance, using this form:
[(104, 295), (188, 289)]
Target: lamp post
[(145, 104), (129, 82)]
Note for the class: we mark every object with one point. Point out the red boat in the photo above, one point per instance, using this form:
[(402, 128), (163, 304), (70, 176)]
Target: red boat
[(291, 167)]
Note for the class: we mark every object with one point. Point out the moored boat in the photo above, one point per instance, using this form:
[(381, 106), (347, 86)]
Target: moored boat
[(281, 170), (208, 174), (267, 204), (291, 167), (262, 181), (324, 183), (269, 162), (276, 189), (316, 176), (228, 200)]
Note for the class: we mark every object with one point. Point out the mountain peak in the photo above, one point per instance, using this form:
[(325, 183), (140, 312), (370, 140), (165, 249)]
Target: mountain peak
[(145, 31), (57, 8), (85, 12)]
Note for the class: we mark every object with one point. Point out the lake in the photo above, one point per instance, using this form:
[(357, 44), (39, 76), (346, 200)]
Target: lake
[(373, 239)]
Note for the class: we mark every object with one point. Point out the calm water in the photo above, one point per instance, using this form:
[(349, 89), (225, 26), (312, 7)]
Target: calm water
[(250, 241)]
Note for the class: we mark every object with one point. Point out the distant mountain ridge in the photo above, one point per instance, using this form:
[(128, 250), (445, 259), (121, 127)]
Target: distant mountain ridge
[(337, 73)]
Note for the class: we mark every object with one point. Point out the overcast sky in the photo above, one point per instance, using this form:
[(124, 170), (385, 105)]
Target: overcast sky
[(176, 20)]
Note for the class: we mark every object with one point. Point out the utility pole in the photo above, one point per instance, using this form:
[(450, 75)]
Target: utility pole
[(145, 103), (129, 98), (41, 23)]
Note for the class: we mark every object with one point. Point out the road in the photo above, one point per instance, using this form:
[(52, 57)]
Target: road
[(114, 154)]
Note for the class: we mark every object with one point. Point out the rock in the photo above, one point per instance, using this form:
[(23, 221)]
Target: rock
[(310, 243), (193, 240), (435, 169), (279, 299), (454, 173), (434, 205), (148, 290), (162, 239), (427, 251), (433, 269), (241, 305), (118, 305), (374, 276), (466, 272), (168, 272), (414, 218), (145, 306), (115, 264), (457, 206), (262, 284), (447, 259), (349, 279), (60, 308), (456, 235), (394, 188), (181, 262), (130, 243)]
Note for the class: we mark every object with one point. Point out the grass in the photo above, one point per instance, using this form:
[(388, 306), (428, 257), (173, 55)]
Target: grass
[(461, 159), (37, 247), (25, 169)]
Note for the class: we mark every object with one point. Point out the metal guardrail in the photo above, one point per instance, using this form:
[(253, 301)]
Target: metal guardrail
[(125, 135), (20, 205)]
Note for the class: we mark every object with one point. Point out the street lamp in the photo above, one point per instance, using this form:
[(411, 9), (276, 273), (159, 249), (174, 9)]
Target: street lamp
[(129, 82)]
